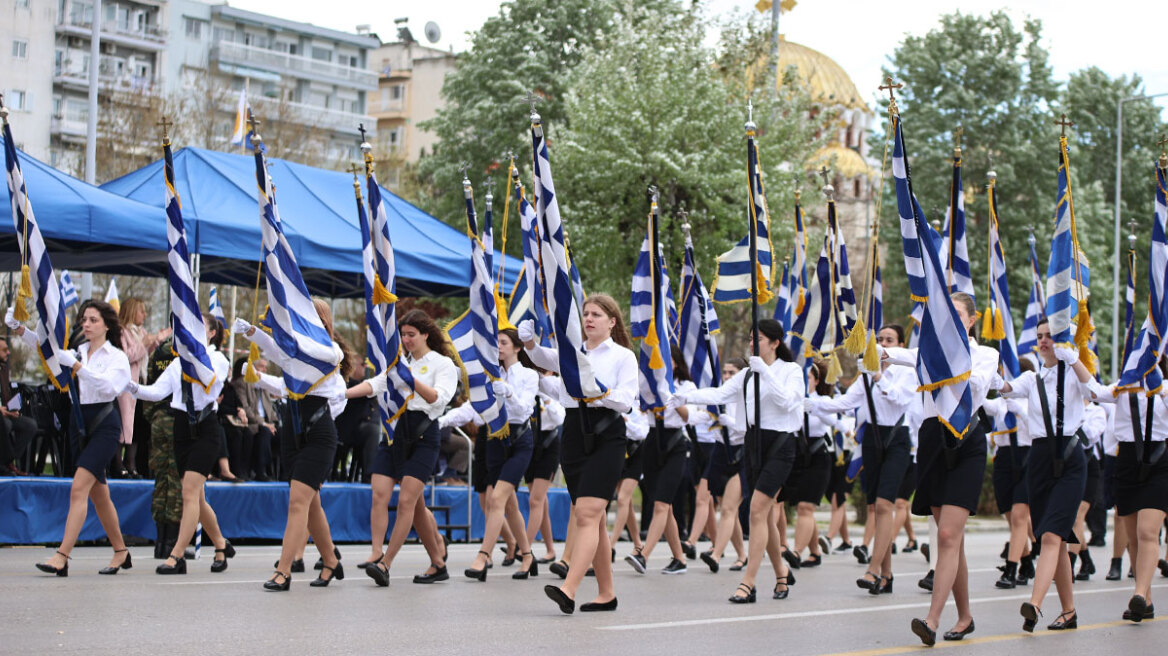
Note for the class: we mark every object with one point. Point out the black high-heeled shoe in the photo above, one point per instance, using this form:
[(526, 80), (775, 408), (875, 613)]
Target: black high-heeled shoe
[(59, 571), (868, 583), (228, 551), (338, 573), (739, 564), (921, 629), (549, 560), (296, 567), (567, 604), (379, 573), (958, 635), (750, 597), (813, 560), (179, 566), (710, 561), (781, 594), (478, 574), (508, 559), (439, 574), (369, 563), (1068, 619), (1030, 614), (126, 564), (271, 585), (883, 586), (532, 570), (559, 568), (792, 559), (320, 561)]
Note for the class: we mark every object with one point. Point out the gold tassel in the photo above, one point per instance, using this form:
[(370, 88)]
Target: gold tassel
[(871, 354), (764, 294), (253, 355), (801, 303), (855, 340), (381, 295), (501, 308), (998, 329), (655, 360), (834, 371), (1084, 329), (19, 311), (987, 323)]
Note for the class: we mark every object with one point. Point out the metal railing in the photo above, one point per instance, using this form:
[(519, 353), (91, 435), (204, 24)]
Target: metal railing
[(237, 53)]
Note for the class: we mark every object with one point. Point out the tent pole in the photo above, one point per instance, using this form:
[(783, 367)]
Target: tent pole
[(231, 334)]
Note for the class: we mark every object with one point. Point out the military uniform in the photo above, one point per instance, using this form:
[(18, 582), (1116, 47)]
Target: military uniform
[(166, 507)]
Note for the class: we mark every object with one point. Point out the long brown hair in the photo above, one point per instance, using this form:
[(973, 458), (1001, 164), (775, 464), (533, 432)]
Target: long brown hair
[(216, 339), (109, 317), (420, 321), (129, 309), (326, 318), (524, 359), (608, 306)]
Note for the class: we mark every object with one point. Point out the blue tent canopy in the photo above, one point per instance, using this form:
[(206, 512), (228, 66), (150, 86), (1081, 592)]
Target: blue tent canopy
[(318, 210), (83, 226)]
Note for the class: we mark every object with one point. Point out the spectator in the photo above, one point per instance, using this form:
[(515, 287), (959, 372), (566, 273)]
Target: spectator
[(16, 432), (358, 427), (137, 344)]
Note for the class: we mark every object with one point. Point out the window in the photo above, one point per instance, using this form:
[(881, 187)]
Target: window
[(58, 62), (57, 105), (223, 34), (81, 13), (322, 54), (193, 27), (20, 49), (17, 99), (397, 91)]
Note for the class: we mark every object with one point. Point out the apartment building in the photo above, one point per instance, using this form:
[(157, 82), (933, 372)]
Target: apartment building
[(26, 56)]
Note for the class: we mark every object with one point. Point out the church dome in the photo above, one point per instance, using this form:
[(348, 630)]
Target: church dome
[(826, 80)]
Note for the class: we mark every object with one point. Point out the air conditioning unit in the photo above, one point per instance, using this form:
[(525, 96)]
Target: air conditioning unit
[(109, 48), (76, 42)]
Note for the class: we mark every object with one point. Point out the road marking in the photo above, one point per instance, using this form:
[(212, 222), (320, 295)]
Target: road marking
[(834, 611), (887, 651)]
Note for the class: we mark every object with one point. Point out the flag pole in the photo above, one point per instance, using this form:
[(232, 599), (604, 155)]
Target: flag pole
[(655, 270), (685, 228), (752, 238)]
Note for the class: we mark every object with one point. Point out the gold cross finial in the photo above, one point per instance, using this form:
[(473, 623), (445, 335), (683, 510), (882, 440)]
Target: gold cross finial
[(354, 168), (1065, 124), (823, 173), (828, 188), (957, 140), (891, 88), (1163, 155), (254, 124), (165, 124)]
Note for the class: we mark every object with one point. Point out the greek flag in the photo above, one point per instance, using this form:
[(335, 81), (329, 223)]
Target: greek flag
[(309, 353), (783, 306), (68, 291), (374, 314), (1028, 340), (998, 323), (954, 251), (186, 319), (1068, 280), (697, 325), (563, 307), (943, 358), (1129, 308), (37, 278), (799, 263), (845, 296), (216, 309), (574, 274), (809, 332), (732, 281), (393, 403), (875, 314), (649, 320), (1140, 362), (478, 342), (527, 298)]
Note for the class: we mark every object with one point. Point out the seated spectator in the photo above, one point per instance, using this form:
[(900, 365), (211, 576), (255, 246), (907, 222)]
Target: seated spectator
[(358, 428), (16, 431)]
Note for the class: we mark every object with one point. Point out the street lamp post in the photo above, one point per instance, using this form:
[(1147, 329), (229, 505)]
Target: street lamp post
[(1115, 258)]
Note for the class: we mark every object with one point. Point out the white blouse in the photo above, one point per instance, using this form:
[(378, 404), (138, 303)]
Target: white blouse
[(821, 423), (433, 369), (781, 396), (331, 388), (1026, 386), (551, 413), (103, 374), (524, 384), (169, 383), (613, 365), (636, 425), (1122, 419), (891, 396)]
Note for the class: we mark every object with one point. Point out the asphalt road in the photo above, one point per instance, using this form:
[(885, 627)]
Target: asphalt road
[(138, 612)]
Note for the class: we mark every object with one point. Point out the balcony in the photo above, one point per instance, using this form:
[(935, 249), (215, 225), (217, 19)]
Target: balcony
[(151, 37), (293, 65), (78, 80), (69, 128), (310, 115)]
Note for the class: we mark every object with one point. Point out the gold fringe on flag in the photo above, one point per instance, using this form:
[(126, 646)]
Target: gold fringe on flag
[(764, 294), (501, 309), (19, 310), (381, 294), (855, 340), (834, 370), (871, 354)]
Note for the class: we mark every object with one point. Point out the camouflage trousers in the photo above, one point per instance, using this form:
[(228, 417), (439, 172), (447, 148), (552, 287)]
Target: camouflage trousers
[(166, 506)]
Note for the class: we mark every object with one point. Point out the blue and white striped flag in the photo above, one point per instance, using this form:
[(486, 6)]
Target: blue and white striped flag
[(309, 353), (1035, 308), (216, 308), (732, 281), (697, 324), (998, 320), (374, 314), (38, 281), (943, 358), (1067, 274), (1129, 308), (784, 305), (798, 265), (574, 274), (528, 300), (186, 319), (649, 321), (954, 251), (845, 296), (68, 290), (1140, 363), (875, 315), (478, 346), (563, 308), (809, 331)]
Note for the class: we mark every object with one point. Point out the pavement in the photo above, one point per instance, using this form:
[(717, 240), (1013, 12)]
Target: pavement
[(139, 612)]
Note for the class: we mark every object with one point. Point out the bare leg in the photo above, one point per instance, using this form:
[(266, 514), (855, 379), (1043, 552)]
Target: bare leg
[(515, 522), (624, 510), (192, 494), (500, 495), (885, 529), (781, 527), (902, 511), (1147, 523), (763, 538), (382, 487), (673, 537), (946, 558), (591, 536), (570, 538), (83, 482), (108, 515), (731, 497), (661, 512), (536, 504), (961, 591), (870, 525), (321, 535), (804, 526), (1019, 517), (1052, 557), (407, 503), (296, 530), (703, 508), (545, 528)]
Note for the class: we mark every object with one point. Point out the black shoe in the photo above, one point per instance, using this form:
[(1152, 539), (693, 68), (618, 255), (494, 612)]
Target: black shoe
[(297, 566), (781, 594), (549, 560), (567, 604), (921, 629), (590, 572), (1138, 610), (958, 635), (861, 554), (813, 560), (1009, 579), (126, 564), (749, 598), (1163, 565), (791, 558), (925, 551), (882, 586), (1131, 573), (179, 566), (868, 583), (825, 545), (593, 607), (379, 573), (909, 546), (1025, 570), (508, 559), (1097, 541), (1030, 614), (368, 563), (843, 546), (893, 548), (689, 550), (272, 585), (1116, 571), (708, 559), (926, 583), (440, 574), (320, 561), (675, 566), (533, 570), (228, 551), (1005, 551), (59, 571), (479, 574), (1065, 620), (559, 568), (739, 564), (636, 561), (338, 574)]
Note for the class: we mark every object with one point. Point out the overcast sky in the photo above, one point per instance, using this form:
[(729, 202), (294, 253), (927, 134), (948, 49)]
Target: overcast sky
[(1121, 36)]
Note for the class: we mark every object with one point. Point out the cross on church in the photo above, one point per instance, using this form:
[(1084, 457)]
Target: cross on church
[(165, 124), (1065, 124)]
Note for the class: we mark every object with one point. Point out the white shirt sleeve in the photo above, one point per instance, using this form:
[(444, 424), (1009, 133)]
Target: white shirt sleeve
[(162, 388)]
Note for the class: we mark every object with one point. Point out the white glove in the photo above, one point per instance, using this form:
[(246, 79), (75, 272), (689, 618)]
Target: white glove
[(67, 358), (132, 388), (675, 401), (1066, 354), (240, 327), (809, 404), (10, 320), (501, 388), (526, 330), (758, 365), (725, 420), (996, 382)]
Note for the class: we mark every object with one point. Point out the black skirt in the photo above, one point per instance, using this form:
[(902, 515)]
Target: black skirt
[(1132, 494), (197, 453), (665, 455), (719, 471), (1054, 502), (908, 484), (770, 455), (592, 452), (102, 441), (944, 483), (1094, 477), (407, 456), (884, 468), (839, 486), (508, 459), (1010, 477), (478, 464), (634, 466), (810, 475), (545, 457), (309, 456)]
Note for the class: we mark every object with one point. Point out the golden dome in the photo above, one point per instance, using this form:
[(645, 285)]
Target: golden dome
[(841, 159), (826, 80)]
